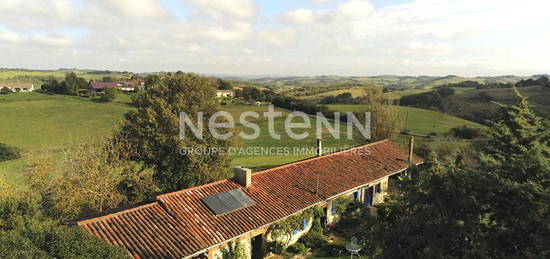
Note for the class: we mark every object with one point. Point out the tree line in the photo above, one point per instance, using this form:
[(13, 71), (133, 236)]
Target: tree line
[(70, 85), (478, 85), (343, 98), (434, 99), (497, 209), (141, 159), (542, 81)]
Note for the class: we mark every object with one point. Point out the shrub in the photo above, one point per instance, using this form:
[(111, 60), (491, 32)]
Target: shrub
[(465, 132), (109, 94), (8, 153), (14, 245), (276, 247), (5, 90), (73, 242), (25, 232), (298, 248), (314, 240)]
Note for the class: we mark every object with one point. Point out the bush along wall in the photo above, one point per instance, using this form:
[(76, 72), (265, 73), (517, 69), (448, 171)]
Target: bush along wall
[(9, 152)]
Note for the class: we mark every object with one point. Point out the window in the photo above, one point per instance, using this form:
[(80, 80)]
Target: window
[(356, 195), (304, 225), (378, 188), (333, 207)]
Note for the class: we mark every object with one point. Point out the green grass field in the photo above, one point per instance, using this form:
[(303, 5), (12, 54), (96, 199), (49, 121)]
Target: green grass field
[(418, 120), (38, 122), (265, 140), (36, 76), (358, 92), (537, 96), (355, 92)]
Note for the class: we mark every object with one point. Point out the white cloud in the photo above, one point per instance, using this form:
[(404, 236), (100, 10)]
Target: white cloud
[(9, 37), (143, 9), (353, 10), (416, 48), (240, 9), (320, 1), (50, 40), (299, 16), (278, 37), (344, 12), (465, 37), (236, 31)]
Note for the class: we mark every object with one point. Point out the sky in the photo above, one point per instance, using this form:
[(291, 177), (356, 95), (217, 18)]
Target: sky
[(280, 37)]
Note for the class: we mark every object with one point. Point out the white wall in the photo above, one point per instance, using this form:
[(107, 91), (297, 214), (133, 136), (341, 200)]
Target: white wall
[(246, 244)]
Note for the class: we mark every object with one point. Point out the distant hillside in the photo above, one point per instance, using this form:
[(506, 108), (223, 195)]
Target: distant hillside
[(477, 105), (417, 120), (40, 76), (388, 81)]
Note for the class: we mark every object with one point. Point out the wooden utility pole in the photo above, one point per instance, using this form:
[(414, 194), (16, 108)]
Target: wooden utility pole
[(411, 150)]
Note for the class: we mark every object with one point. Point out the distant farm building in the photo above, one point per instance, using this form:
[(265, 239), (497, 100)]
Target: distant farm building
[(225, 93), (18, 87), (127, 86), (138, 78), (201, 222)]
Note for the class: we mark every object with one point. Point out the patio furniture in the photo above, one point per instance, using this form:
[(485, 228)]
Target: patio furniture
[(353, 248)]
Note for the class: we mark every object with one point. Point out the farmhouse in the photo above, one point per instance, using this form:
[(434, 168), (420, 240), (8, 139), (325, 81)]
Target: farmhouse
[(199, 222), (224, 93), (122, 86), (18, 87)]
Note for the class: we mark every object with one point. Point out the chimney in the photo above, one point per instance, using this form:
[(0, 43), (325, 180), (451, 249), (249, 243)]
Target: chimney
[(243, 176), (411, 149), (319, 147)]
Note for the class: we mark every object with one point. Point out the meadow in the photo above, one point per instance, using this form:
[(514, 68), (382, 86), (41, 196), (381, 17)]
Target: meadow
[(38, 123), (469, 102), (11, 75), (396, 94), (417, 120)]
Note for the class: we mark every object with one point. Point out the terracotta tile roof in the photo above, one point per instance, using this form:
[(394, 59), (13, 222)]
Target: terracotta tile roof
[(101, 85), (179, 225)]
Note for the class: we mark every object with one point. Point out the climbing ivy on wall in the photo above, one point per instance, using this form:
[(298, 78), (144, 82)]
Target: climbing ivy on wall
[(282, 230), (234, 250)]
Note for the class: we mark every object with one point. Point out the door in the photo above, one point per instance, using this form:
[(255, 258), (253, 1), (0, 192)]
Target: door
[(258, 247), (368, 196)]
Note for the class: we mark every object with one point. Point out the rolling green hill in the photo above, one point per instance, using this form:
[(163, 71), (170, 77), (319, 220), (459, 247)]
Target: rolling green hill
[(418, 120), (358, 92), (37, 77), (391, 81), (40, 122), (472, 106)]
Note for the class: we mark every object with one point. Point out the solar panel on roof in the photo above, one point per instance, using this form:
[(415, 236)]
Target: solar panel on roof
[(215, 205), (241, 197), (226, 202), (229, 201)]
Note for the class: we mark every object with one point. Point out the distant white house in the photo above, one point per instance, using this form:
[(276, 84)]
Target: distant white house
[(18, 87), (122, 86), (225, 93)]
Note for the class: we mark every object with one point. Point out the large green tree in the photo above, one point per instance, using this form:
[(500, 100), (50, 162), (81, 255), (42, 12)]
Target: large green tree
[(74, 82), (499, 210), (25, 232), (517, 162), (153, 131)]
